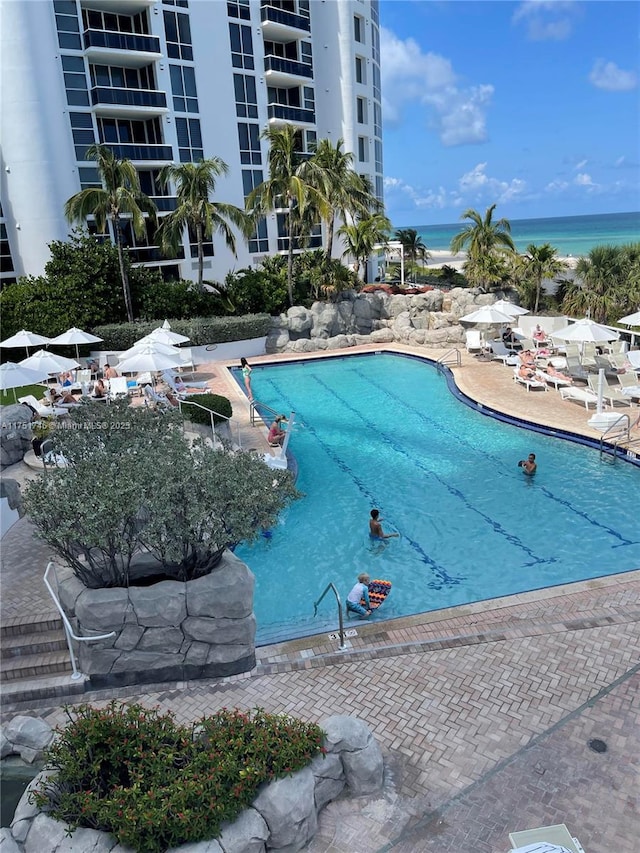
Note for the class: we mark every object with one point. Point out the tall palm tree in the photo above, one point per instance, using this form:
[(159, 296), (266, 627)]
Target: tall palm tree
[(119, 197), (413, 245), (601, 284), (289, 187), (348, 193), (361, 237), (483, 237), (195, 184), (539, 263)]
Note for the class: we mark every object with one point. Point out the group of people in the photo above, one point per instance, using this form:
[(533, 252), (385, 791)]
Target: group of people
[(277, 433)]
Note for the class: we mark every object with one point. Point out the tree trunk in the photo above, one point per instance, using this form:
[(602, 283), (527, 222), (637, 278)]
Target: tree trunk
[(330, 228), (200, 239), (123, 269), (290, 256)]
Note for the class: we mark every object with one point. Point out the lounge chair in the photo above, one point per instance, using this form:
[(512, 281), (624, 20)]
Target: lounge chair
[(556, 381), (550, 838), (629, 384), (582, 395), (41, 410), (575, 369), (473, 341), (529, 383), (500, 352), (613, 395), (155, 400), (170, 379), (118, 387)]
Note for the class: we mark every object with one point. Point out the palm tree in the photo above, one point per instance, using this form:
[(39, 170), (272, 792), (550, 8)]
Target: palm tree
[(361, 237), (119, 197), (413, 245), (348, 193), (288, 187), (601, 284), (195, 184), (539, 263), (484, 238)]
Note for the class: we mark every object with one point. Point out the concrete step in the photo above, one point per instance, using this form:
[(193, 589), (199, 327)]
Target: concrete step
[(23, 694), (35, 665), (37, 643), (31, 624)]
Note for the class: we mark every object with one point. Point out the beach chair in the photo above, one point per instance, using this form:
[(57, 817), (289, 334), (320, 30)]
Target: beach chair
[(549, 838), (613, 395), (629, 383), (473, 341), (118, 387), (41, 410), (500, 352), (529, 383), (583, 395), (575, 369), (556, 381), (154, 400)]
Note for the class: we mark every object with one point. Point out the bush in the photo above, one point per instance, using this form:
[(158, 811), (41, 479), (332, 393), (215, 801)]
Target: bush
[(214, 402), (158, 299), (199, 330), (252, 291), (155, 784)]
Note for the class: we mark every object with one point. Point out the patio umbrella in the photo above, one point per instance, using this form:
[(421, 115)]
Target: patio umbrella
[(25, 339), (75, 336), (488, 315), (14, 376), (149, 359), (509, 308), (146, 345), (164, 336), (586, 330), (631, 319), (48, 361)]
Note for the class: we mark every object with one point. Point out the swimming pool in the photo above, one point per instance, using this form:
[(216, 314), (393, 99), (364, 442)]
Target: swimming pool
[(385, 431)]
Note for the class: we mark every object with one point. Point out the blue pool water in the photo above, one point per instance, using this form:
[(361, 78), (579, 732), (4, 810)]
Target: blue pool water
[(385, 431)]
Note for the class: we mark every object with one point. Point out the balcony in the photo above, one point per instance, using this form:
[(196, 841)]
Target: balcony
[(123, 102), (164, 203), (153, 153), (130, 50), (282, 114), (279, 25), (285, 72), (314, 242)]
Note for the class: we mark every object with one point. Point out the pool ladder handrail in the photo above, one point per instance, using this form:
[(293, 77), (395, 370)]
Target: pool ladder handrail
[(619, 434), (332, 586), (68, 630), (253, 408), (444, 359), (213, 415)]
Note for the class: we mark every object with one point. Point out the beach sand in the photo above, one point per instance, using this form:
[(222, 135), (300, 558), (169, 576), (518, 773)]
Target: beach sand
[(440, 257)]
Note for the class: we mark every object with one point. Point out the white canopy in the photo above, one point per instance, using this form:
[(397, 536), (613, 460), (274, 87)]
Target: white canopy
[(164, 336), (509, 308), (75, 337), (49, 362), (14, 376), (631, 319), (488, 315), (149, 358), (24, 339), (586, 330), (149, 346)]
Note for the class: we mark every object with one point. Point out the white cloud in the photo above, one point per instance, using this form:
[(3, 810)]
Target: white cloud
[(584, 180), (479, 186), (556, 186), (580, 165), (547, 19), (607, 76), (409, 76)]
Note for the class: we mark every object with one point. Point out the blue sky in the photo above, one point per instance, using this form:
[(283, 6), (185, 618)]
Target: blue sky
[(534, 105)]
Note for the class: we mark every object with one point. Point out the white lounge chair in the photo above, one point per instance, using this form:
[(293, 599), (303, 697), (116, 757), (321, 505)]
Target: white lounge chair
[(629, 384), (118, 387), (500, 352), (529, 383), (41, 410), (545, 839), (583, 395), (155, 400), (170, 379), (613, 395), (556, 381), (473, 341)]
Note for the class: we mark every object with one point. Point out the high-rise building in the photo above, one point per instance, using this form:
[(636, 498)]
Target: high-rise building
[(162, 81)]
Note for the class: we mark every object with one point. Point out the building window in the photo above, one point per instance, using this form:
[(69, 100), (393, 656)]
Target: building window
[(75, 81), (112, 131), (375, 12), (377, 119), (311, 140), (376, 82), (239, 9), (241, 46), (183, 86), (246, 98), (178, 33), (83, 135), (379, 188), (309, 98), (189, 140), (249, 139), (377, 145), (207, 245), (361, 110), (361, 70), (306, 53), (6, 262), (89, 177), (259, 240), (93, 20), (183, 3), (375, 44), (358, 29), (67, 24), (363, 149), (122, 78)]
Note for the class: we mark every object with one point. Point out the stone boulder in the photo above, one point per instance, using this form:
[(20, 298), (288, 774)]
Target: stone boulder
[(28, 736), (15, 433), (359, 752), (300, 321), (7, 841), (288, 808), (247, 834)]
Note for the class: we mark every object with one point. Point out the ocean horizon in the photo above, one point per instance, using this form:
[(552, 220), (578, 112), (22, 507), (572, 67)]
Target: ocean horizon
[(571, 236)]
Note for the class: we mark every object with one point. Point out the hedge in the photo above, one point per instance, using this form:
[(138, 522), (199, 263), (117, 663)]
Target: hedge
[(212, 402), (199, 330)]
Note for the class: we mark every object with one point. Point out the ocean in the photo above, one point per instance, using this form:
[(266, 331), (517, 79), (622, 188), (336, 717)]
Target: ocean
[(570, 235)]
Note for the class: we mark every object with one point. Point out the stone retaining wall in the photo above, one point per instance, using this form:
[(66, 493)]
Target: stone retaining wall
[(283, 818), (168, 631)]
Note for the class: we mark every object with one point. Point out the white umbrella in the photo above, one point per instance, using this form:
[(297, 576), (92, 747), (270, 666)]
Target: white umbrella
[(164, 336), (25, 339), (586, 330), (43, 360), (149, 359), (509, 308), (631, 319), (488, 315), (14, 376), (76, 337), (146, 345)]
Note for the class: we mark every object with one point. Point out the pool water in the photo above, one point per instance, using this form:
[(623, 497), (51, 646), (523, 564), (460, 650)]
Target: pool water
[(384, 431)]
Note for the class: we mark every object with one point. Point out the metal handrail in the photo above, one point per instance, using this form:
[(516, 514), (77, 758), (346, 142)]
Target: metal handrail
[(212, 414), (68, 630), (458, 359), (253, 408), (340, 618), (619, 432)]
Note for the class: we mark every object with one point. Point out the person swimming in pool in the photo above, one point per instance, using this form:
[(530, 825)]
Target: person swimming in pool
[(375, 527), (528, 465)]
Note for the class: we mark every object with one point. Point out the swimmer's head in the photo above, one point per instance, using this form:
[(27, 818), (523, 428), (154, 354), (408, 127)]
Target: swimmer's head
[(374, 514), (363, 578)]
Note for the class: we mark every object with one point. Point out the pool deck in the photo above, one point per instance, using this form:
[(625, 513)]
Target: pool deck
[(483, 711)]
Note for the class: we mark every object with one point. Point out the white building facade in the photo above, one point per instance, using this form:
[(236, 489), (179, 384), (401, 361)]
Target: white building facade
[(162, 81)]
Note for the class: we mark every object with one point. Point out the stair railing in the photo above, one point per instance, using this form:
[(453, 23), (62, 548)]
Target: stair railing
[(452, 356), (68, 630), (331, 586)]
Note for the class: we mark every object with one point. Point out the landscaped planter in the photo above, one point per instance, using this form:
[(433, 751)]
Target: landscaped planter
[(167, 631), (283, 817)]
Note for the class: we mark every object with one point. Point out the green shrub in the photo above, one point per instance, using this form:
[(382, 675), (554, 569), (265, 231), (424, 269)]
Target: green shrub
[(155, 784), (199, 330), (213, 402), (159, 299)]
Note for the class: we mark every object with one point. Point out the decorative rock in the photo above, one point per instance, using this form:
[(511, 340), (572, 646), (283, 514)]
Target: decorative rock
[(302, 345), (339, 342), (217, 631), (364, 769), (87, 841), (226, 592), (5, 744), (129, 638), (15, 433), (99, 610), (45, 834), (30, 732), (381, 336), (69, 588), (10, 489), (345, 733), (161, 640), (160, 605), (247, 834), (329, 778), (287, 805), (211, 846), (7, 841)]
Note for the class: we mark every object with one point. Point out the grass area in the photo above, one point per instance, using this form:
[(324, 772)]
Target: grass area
[(7, 398)]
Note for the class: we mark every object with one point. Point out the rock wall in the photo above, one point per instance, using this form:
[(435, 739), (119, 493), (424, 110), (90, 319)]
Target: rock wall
[(283, 817), (427, 319), (15, 433), (168, 631)]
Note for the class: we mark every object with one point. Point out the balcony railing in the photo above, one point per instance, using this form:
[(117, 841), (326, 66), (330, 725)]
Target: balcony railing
[(164, 203), (287, 66), (128, 97), (271, 14), (147, 254), (314, 242), (294, 114), (121, 41), (141, 152)]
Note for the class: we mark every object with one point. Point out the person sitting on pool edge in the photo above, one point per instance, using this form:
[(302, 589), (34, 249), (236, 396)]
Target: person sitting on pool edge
[(375, 528), (528, 465), (360, 591), (276, 433)]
